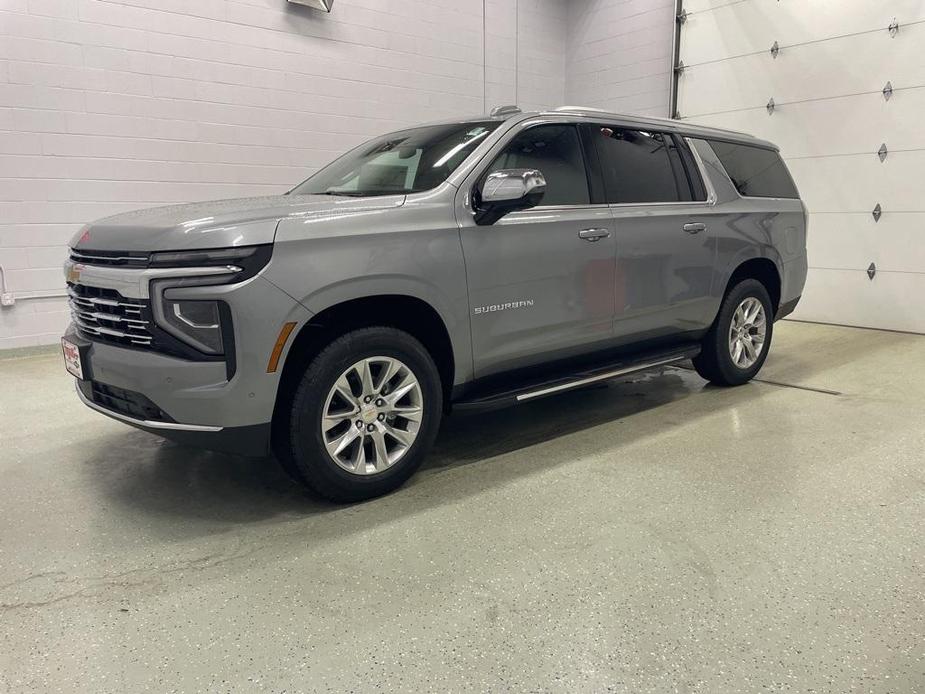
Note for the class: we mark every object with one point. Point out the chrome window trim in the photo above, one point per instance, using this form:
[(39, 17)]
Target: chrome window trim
[(150, 424), (761, 197), (553, 208), (692, 203)]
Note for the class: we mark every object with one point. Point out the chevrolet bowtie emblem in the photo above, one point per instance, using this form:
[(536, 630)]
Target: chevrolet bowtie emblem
[(73, 274)]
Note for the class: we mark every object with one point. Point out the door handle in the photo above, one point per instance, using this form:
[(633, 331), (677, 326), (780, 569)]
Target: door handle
[(593, 234), (694, 227)]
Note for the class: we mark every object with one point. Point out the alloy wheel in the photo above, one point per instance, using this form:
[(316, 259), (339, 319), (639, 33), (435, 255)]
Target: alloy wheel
[(747, 333), (372, 415)]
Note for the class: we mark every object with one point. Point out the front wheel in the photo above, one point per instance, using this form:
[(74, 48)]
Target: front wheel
[(737, 344), (364, 415)]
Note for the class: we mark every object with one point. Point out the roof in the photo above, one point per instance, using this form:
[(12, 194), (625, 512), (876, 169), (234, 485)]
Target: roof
[(681, 127), (503, 113)]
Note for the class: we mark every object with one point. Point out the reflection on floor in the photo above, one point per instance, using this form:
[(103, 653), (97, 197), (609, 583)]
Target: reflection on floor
[(649, 534)]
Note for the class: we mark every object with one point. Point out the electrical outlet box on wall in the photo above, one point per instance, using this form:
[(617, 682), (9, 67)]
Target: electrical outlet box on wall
[(326, 5)]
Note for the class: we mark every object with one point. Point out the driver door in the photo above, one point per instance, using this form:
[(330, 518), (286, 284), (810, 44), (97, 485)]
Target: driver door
[(541, 281)]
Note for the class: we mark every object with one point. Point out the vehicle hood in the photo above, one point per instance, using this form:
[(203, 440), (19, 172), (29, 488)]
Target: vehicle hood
[(217, 223)]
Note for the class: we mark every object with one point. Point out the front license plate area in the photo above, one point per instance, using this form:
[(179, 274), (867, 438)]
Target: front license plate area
[(73, 359)]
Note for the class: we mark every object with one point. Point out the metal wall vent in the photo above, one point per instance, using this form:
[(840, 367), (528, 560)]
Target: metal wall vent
[(775, 49), (324, 5), (883, 151), (888, 90), (871, 271), (770, 106), (877, 212)]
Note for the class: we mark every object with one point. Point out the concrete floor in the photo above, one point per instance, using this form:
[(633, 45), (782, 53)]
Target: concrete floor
[(650, 535)]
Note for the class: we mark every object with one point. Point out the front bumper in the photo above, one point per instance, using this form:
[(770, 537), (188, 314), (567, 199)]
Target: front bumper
[(247, 441), (196, 402)]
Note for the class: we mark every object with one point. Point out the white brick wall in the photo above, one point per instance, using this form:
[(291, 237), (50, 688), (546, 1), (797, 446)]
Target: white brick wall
[(111, 105), (525, 57), (619, 55)]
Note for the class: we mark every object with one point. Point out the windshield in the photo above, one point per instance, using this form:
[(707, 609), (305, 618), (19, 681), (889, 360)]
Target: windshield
[(409, 161)]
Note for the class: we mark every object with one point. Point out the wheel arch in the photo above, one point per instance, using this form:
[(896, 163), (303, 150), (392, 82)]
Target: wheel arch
[(760, 268), (402, 311)]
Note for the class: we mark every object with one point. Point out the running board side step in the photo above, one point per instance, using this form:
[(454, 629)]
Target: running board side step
[(538, 389)]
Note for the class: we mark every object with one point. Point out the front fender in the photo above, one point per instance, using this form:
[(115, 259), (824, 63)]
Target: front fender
[(404, 256)]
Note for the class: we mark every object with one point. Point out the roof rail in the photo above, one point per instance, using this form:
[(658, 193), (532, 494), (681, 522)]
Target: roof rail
[(580, 108), (508, 110)]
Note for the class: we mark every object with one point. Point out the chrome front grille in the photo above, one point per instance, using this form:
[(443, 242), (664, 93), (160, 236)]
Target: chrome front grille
[(120, 258), (105, 314)]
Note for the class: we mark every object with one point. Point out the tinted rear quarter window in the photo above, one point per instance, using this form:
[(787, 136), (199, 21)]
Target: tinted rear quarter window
[(755, 171)]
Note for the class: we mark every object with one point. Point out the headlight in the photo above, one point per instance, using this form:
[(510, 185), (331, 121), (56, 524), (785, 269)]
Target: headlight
[(245, 261), (202, 258), (198, 323), (202, 324)]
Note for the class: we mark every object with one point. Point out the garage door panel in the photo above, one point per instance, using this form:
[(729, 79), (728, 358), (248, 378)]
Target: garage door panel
[(726, 32), (847, 241), (691, 6), (848, 297), (753, 26), (848, 125), (830, 118), (857, 183), (835, 68)]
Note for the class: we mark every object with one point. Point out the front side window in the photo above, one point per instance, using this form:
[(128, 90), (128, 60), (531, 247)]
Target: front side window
[(409, 161), (755, 171), (639, 166), (555, 150)]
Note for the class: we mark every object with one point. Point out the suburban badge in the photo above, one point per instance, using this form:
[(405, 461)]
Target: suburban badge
[(492, 308)]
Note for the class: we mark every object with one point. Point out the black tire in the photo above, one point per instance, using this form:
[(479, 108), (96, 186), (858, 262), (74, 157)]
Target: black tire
[(715, 362), (304, 455)]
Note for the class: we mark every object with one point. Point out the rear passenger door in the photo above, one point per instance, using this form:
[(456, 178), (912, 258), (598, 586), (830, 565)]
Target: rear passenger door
[(665, 249)]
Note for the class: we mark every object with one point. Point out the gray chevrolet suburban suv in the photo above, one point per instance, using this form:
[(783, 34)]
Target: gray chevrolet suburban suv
[(465, 264)]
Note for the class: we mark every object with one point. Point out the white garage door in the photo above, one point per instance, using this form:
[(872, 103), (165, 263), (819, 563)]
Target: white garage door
[(830, 118)]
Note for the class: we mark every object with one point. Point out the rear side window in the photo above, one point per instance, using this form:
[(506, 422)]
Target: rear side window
[(639, 166), (755, 171)]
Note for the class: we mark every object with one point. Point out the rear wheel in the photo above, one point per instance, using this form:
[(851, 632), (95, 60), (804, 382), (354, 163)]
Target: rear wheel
[(364, 415), (737, 344)]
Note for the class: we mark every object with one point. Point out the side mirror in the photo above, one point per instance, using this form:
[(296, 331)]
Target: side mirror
[(506, 191)]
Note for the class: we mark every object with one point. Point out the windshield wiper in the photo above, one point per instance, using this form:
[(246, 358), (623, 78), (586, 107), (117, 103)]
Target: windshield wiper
[(363, 193)]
